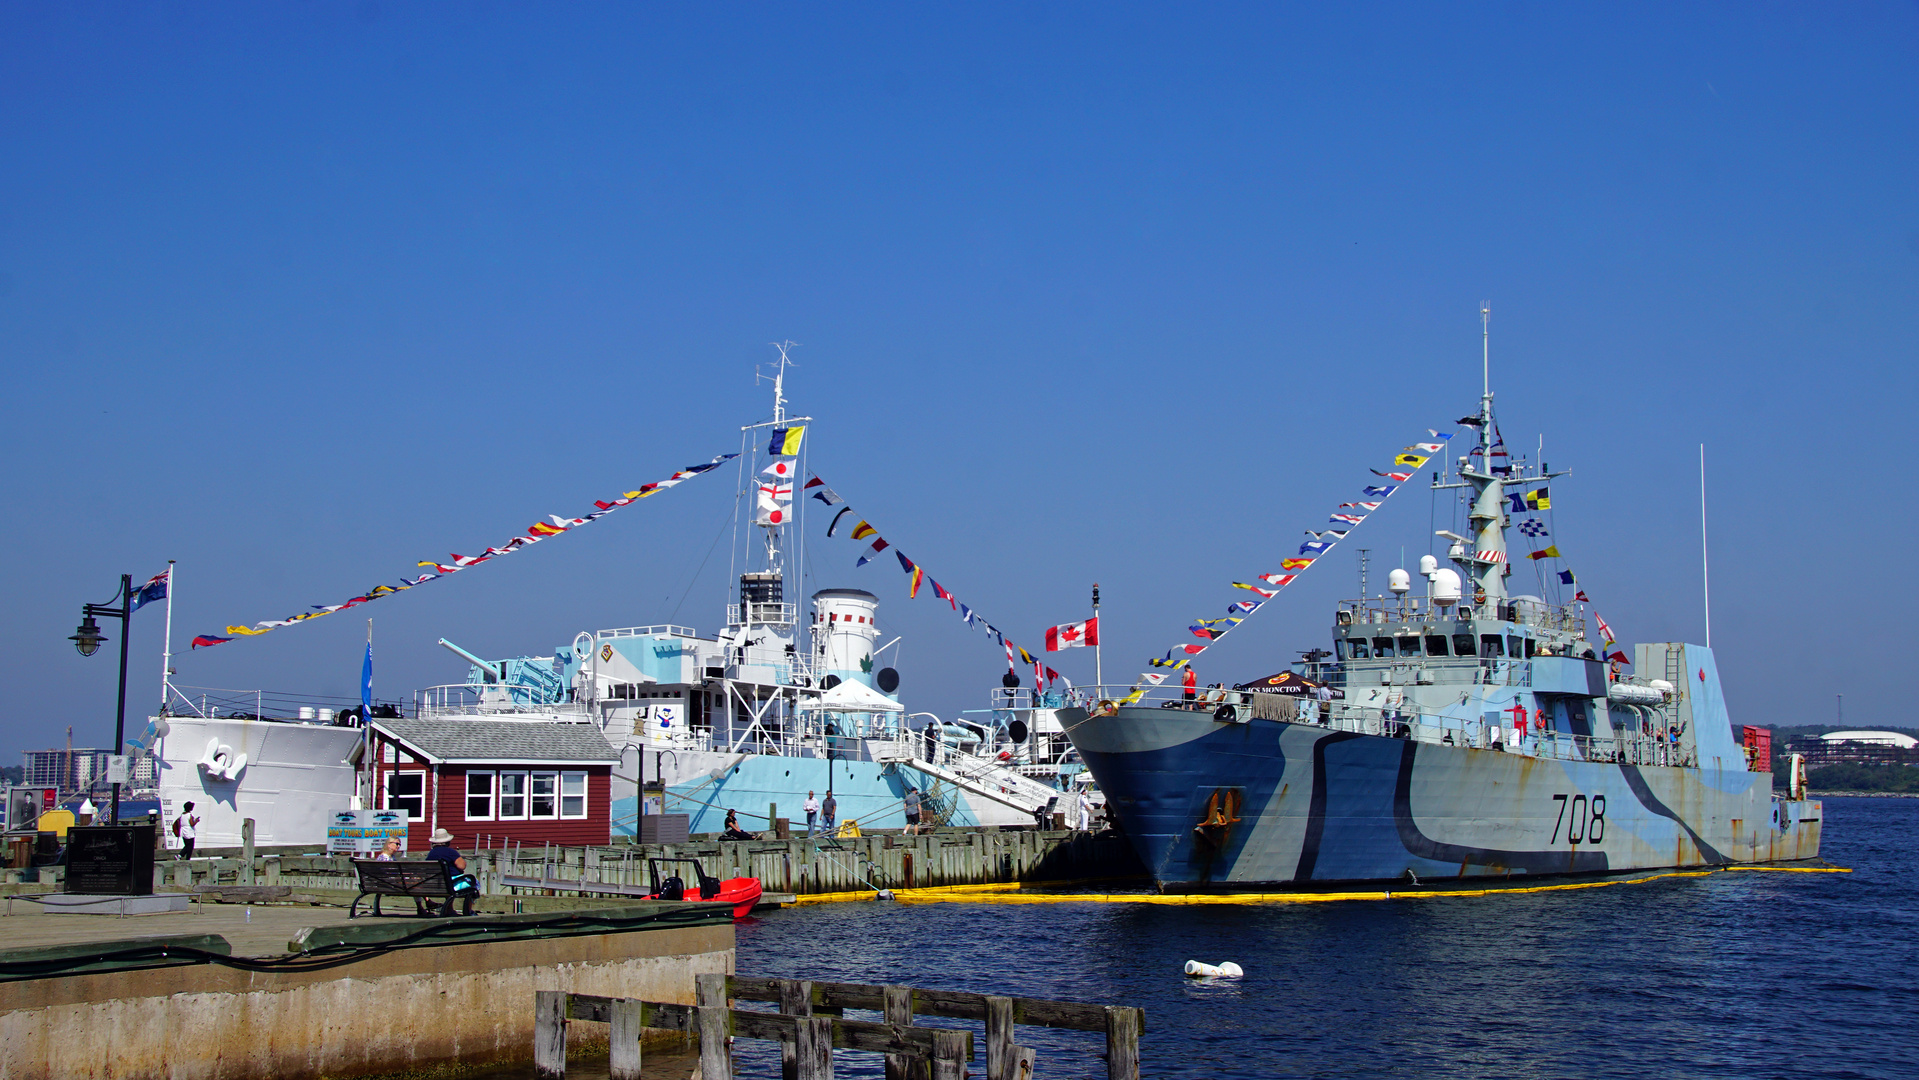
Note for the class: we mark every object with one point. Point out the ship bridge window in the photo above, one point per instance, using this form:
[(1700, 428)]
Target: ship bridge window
[(1492, 645), (1358, 646), (1382, 646), (1515, 646), (1463, 645), (1409, 646), (1435, 644)]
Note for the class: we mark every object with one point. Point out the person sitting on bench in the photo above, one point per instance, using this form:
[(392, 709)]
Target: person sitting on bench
[(464, 887)]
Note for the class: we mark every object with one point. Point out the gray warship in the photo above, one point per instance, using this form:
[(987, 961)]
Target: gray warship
[(1465, 733)]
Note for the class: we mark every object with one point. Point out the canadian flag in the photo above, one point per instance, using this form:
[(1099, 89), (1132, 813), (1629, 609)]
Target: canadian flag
[(1073, 635)]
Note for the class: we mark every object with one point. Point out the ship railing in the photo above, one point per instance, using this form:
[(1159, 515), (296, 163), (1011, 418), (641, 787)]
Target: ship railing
[(465, 699), (1407, 671), (770, 613), (1372, 612), (1623, 747), (1020, 697), (656, 630)]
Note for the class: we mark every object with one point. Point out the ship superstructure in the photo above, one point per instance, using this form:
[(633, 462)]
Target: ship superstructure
[(784, 700), (1453, 731)]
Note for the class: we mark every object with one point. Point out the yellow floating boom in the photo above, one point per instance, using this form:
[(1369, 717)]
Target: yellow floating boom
[(1015, 893)]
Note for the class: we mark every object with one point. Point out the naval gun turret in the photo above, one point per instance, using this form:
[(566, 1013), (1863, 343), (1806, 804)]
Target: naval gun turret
[(524, 680)]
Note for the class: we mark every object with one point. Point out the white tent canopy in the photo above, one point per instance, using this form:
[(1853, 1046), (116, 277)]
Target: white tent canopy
[(851, 696)]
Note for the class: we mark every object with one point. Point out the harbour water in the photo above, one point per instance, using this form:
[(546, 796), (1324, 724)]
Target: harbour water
[(1734, 974)]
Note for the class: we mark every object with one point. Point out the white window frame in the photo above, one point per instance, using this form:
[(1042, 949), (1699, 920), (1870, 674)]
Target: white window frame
[(567, 778), (552, 778), (489, 794), (499, 805), (393, 801)]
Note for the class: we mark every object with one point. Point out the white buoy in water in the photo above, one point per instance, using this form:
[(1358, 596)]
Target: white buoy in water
[(1198, 970)]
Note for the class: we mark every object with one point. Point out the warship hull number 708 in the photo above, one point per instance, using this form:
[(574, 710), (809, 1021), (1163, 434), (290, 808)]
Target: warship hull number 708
[(1468, 733)]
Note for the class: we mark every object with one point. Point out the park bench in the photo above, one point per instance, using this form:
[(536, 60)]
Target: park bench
[(423, 881)]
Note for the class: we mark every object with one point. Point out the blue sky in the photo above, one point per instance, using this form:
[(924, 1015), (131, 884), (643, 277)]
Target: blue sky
[(301, 294)]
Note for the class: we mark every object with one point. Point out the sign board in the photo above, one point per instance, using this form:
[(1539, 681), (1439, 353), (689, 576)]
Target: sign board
[(110, 860), (364, 832), (26, 804), (117, 769)]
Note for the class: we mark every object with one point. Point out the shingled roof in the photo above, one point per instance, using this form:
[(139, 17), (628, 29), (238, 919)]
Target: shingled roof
[(502, 741)]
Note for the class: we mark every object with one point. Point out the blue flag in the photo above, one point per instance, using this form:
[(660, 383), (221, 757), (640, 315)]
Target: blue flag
[(1566, 577), (154, 589), (366, 685)]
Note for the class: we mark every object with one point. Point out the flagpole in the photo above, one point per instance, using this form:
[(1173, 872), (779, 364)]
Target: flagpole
[(1099, 676), (1705, 574), (166, 648), (366, 721)]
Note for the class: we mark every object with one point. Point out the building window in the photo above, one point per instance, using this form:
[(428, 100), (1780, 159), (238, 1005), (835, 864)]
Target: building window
[(542, 795), (479, 796), (407, 791), (512, 796), (573, 795)]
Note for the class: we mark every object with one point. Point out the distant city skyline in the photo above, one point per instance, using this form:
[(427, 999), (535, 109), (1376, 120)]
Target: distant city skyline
[(303, 296)]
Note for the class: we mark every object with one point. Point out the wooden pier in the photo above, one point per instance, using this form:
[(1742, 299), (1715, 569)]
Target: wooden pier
[(800, 867), (811, 1024)]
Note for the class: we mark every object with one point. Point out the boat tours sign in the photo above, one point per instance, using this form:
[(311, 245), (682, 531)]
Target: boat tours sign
[(364, 832), (110, 860)]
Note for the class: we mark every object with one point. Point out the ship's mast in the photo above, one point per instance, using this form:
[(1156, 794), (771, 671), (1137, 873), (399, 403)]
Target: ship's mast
[(1487, 559), (771, 532)]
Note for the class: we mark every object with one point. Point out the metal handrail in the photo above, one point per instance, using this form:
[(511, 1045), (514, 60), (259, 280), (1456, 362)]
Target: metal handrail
[(465, 699), (659, 630), (1625, 747)]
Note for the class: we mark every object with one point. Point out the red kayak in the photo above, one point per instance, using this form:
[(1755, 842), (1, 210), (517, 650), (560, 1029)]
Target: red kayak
[(741, 892)]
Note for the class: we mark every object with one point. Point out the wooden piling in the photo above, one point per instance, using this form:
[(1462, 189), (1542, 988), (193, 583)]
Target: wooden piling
[(796, 999), (1123, 1025), (815, 1048), (625, 1018), (949, 1056), (716, 1058), (999, 1038), (549, 1034), (898, 1009)]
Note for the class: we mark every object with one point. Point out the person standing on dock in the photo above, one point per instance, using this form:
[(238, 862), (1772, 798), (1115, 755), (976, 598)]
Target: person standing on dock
[(183, 828), (1085, 811), (829, 810), (812, 808), (912, 811)]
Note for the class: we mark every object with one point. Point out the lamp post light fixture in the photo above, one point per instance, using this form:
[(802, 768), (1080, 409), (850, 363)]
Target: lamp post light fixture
[(87, 639)]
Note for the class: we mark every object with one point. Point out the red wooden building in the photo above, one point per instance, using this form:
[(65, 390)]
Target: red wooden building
[(495, 782)]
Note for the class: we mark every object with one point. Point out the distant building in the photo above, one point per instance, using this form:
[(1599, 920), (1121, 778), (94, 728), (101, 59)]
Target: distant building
[(1858, 747), (82, 769)]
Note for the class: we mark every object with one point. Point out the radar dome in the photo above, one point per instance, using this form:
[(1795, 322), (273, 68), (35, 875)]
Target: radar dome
[(1399, 581), (1428, 566), (1446, 587)]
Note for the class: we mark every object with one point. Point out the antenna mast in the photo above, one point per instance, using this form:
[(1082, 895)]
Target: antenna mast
[(1486, 348)]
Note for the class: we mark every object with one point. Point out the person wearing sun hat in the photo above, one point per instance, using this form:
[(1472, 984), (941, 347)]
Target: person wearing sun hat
[(463, 884)]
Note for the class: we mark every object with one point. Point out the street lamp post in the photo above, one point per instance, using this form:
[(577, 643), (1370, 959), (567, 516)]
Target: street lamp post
[(87, 639)]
